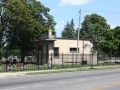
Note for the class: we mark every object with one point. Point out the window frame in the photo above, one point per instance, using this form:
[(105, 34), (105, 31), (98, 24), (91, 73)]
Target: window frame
[(73, 50), (56, 54)]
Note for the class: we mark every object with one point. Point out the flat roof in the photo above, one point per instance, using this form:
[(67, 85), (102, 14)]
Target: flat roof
[(45, 40), (87, 39)]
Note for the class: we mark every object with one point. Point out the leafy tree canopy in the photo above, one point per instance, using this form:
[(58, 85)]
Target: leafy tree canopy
[(69, 31), (94, 26), (26, 21)]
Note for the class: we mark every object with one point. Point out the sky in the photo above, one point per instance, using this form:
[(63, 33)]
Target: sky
[(64, 10)]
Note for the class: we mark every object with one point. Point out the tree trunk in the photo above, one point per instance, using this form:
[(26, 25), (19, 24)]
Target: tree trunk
[(22, 54)]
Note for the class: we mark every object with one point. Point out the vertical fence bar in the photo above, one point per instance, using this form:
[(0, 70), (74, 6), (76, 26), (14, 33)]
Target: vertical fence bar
[(97, 58), (46, 58), (62, 60), (68, 61), (110, 57), (82, 59), (51, 60), (24, 60), (48, 61), (103, 59), (115, 59), (72, 60), (92, 61), (6, 61), (38, 58), (76, 60)]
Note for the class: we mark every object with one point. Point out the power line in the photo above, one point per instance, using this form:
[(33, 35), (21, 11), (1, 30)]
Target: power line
[(107, 18), (75, 16), (100, 11), (76, 21), (114, 18)]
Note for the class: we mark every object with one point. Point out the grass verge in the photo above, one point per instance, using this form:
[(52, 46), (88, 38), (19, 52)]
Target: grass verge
[(74, 69)]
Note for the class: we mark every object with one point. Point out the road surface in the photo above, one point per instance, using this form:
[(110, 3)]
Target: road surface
[(84, 80)]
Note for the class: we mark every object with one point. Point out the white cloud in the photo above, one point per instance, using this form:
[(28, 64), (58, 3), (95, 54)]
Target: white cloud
[(73, 2)]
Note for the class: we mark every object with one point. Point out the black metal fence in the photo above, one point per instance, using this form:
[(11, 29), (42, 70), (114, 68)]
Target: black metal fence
[(39, 61), (107, 59)]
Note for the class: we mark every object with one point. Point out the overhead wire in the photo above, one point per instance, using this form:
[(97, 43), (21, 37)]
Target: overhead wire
[(100, 11), (76, 20)]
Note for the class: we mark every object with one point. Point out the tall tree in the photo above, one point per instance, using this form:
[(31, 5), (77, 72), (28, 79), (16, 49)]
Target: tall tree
[(117, 39), (112, 41), (69, 31), (94, 26), (28, 20)]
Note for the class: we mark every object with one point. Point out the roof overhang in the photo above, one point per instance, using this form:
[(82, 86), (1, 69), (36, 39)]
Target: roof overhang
[(46, 41)]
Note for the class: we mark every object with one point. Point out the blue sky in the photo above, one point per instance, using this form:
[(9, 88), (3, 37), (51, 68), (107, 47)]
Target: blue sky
[(65, 10)]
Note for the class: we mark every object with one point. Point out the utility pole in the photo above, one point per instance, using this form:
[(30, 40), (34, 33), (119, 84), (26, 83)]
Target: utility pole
[(78, 36)]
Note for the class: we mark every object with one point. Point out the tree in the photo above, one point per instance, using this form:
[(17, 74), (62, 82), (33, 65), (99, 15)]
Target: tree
[(69, 31), (112, 41), (117, 39), (28, 19), (94, 26), (109, 37)]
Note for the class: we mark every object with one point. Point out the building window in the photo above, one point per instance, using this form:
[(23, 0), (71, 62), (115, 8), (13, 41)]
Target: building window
[(73, 50), (56, 52)]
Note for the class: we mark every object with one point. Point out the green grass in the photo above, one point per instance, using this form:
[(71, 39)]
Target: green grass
[(30, 67), (2, 67), (87, 68)]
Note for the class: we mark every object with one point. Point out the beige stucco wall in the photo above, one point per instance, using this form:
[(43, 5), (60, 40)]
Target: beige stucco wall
[(87, 49), (65, 45)]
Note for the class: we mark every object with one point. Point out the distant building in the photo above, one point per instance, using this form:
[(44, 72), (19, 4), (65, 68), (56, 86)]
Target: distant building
[(48, 44)]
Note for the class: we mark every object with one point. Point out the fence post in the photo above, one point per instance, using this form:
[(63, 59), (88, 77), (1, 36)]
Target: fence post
[(82, 59), (62, 60), (38, 58), (6, 60), (104, 59), (115, 59), (110, 57), (92, 61), (72, 60), (76, 60), (97, 57), (51, 60)]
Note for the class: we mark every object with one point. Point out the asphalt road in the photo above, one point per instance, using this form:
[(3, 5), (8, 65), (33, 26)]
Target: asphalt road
[(84, 80)]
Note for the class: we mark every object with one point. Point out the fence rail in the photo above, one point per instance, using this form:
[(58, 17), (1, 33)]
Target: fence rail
[(54, 61)]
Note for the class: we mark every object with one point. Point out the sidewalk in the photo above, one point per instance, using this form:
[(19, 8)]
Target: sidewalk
[(11, 74), (22, 73)]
